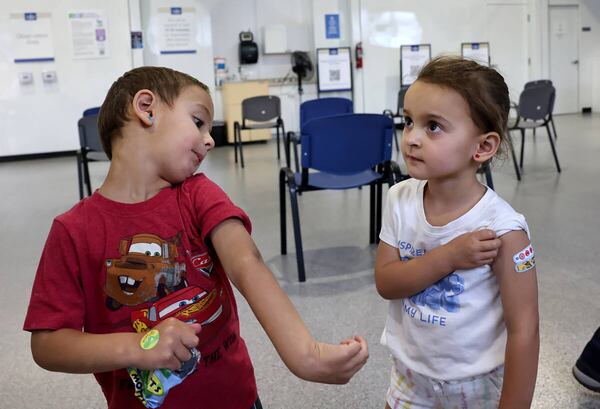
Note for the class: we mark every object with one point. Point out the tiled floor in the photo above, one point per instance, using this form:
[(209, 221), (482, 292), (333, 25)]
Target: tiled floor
[(339, 298)]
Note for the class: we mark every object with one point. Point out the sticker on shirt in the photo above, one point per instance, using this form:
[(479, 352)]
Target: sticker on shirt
[(524, 260), (202, 263), (149, 268)]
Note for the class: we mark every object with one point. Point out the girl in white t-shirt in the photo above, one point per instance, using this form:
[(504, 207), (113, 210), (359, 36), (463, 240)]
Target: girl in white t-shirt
[(455, 260)]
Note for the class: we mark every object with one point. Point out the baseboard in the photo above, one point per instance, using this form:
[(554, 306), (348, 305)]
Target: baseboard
[(586, 110), (30, 156)]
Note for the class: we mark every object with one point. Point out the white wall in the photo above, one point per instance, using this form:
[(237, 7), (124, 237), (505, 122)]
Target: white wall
[(43, 117)]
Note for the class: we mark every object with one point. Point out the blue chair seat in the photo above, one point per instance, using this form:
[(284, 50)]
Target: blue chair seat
[(322, 180)]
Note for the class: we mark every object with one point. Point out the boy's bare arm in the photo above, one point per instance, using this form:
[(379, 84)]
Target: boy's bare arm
[(72, 351), (520, 305), (305, 357), (395, 278)]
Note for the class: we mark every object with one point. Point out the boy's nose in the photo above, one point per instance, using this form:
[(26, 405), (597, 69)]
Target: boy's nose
[(209, 142)]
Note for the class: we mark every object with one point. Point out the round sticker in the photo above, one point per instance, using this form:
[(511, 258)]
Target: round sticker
[(150, 339)]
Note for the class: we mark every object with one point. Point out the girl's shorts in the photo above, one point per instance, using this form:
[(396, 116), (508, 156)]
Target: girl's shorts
[(409, 389)]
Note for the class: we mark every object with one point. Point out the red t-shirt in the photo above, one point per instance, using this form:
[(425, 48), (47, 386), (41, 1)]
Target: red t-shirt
[(107, 267)]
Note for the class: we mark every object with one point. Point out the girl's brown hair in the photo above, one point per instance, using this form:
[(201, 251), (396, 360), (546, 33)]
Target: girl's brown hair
[(483, 89), (114, 112)]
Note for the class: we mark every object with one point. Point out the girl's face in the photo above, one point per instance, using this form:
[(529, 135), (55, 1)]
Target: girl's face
[(439, 138)]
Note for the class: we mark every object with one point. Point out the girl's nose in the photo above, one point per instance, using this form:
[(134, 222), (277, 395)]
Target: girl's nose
[(209, 142)]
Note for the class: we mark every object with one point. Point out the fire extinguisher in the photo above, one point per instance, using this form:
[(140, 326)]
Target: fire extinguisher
[(359, 55)]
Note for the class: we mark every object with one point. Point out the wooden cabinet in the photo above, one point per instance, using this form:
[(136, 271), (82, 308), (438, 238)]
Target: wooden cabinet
[(233, 94)]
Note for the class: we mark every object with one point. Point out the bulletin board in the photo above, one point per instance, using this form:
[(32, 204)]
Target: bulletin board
[(479, 52), (412, 59), (334, 69)]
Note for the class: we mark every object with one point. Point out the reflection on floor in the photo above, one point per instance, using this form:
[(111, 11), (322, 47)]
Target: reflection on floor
[(339, 298)]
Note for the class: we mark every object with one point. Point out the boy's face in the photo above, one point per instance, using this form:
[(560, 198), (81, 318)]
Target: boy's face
[(439, 138), (181, 138)]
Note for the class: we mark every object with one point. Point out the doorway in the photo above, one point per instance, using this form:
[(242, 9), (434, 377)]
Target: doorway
[(564, 56)]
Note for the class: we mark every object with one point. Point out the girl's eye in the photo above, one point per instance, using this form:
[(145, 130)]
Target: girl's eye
[(407, 121), (198, 122), (434, 127)]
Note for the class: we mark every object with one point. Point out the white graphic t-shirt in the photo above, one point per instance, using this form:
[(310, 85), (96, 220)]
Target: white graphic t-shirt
[(453, 329)]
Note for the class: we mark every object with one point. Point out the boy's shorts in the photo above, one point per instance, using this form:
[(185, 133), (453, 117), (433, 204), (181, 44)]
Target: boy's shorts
[(409, 389)]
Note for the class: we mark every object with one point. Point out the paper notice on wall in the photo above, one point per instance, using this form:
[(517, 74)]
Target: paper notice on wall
[(479, 52), (412, 59), (176, 32), (89, 34), (32, 37)]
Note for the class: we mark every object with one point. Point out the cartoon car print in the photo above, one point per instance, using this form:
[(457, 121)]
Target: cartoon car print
[(147, 270), (191, 304)]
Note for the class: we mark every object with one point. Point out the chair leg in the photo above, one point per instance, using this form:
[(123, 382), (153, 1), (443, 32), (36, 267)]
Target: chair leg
[(79, 176), (235, 139), (553, 148), (282, 211), (278, 153), (514, 157), (86, 175), (239, 145), (297, 234), (533, 134), (378, 201), (296, 158), (488, 177), (522, 147), (371, 214), (396, 139), (553, 128)]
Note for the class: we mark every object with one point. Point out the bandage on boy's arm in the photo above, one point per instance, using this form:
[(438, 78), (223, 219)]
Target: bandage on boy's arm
[(519, 296), (305, 357), (72, 351)]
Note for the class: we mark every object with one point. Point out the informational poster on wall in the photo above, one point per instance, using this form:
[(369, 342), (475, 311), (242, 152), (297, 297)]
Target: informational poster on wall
[(334, 69), (412, 59), (89, 34), (32, 37), (176, 30), (479, 52), (332, 26)]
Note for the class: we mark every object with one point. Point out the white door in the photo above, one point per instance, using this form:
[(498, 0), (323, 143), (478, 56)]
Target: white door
[(564, 57), (506, 29)]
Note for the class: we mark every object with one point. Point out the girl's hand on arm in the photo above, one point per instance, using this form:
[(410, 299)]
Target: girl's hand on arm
[(519, 296), (71, 351), (400, 279), (305, 357)]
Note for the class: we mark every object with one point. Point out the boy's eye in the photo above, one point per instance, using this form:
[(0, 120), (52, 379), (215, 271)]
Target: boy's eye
[(199, 122)]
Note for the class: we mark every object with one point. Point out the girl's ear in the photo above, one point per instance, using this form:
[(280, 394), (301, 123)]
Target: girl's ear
[(487, 147), (144, 104)]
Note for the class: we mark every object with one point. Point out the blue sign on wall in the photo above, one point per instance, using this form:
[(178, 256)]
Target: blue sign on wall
[(332, 26)]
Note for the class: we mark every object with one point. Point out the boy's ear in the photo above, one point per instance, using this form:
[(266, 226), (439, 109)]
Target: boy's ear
[(487, 147), (144, 104)]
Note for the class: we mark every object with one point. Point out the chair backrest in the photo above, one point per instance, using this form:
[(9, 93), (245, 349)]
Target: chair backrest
[(321, 107), (537, 82), (346, 144), (261, 109), (537, 102), (89, 138), (401, 94)]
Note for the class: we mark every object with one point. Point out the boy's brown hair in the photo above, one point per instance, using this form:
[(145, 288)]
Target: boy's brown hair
[(483, 89), (114, 112)]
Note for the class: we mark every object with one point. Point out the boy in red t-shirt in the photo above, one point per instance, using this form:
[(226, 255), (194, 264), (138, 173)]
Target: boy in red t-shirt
[(151, 252)]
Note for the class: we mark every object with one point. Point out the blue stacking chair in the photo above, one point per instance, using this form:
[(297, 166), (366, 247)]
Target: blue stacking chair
[(90, 148), (340, 152), (309, 110)]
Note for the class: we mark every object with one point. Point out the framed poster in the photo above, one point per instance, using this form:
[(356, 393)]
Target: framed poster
[(334, 69), (412, 59), (479, 52)]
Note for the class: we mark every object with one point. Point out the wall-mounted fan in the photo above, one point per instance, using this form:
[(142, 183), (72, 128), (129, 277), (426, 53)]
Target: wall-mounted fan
[(302, 66)]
